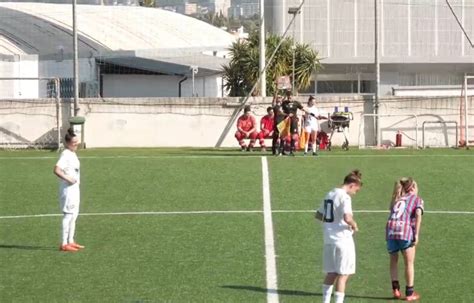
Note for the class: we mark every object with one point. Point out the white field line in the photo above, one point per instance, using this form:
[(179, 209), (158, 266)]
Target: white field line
[(270, 256), (210, 212), (217, 156)]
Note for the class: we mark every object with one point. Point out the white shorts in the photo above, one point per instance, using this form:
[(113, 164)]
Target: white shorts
[(69, 199), (311, 127), (340, 258)]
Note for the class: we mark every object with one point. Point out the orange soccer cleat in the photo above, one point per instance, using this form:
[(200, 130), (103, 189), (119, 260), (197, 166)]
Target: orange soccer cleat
[(396, 293), (75, 245), (67, 247), (413, 297)]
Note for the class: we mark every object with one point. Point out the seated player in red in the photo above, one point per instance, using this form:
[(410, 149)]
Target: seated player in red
[(246, 129), (266, 127)]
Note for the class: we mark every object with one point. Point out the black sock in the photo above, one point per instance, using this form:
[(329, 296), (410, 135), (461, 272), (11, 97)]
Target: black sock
[(409, 290), (395, 285), (292, 144)]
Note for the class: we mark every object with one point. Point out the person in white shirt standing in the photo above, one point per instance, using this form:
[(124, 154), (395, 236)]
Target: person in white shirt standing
[(339, 258), (311, 126), (68, 170)]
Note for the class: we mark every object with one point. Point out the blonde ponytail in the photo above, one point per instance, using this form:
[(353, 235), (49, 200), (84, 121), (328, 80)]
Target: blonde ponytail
[(397, 193), (402, 186)]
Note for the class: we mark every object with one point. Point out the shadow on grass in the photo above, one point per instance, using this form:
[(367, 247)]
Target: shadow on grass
[(301, 293), (26, 247)]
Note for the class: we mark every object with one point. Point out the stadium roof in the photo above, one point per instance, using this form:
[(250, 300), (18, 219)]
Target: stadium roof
[(46, 29), (178, 66)]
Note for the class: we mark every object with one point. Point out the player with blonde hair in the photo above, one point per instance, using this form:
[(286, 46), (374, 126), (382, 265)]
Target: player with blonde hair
[(67, 170), (339, 257), (403, 233)]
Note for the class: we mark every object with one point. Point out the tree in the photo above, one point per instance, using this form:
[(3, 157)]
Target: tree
[(243, 69)]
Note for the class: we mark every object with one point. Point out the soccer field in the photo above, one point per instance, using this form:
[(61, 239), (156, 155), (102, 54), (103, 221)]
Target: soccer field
[(174, 225)]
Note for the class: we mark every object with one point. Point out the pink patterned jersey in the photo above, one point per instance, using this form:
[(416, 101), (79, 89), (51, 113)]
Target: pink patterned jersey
[(401, 222)]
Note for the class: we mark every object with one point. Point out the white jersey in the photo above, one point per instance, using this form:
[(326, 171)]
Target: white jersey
[(336, 203), (70, 165), (69, 195), (311, 121)]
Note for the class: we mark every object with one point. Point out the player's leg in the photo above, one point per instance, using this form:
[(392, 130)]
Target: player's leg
[(307, 134), (240, 138), (294, 133), (328, 286), (75, 202), (314, 143), (261, 138), (393, 247), (65, 226), (283, 143), (253, 138), (409, 258), (66, 208), (394, 275), (340, 292), (329, 267), (345, 266), (275, 142)]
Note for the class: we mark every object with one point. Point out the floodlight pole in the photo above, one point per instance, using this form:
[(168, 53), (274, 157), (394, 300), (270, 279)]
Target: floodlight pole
[(466, 126), (75, 59), (194, 70), (263, 74), (377, 74)]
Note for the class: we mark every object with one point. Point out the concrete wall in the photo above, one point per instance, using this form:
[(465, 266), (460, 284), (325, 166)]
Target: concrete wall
[(145, 86), (200, 122)]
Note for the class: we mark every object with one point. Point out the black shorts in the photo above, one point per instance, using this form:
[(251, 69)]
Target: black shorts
[(294, 125)]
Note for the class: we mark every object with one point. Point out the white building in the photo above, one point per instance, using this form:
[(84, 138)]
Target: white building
[(124, 51), (422, 49)]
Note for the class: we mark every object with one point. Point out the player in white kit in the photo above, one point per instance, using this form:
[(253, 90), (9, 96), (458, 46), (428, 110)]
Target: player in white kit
[(68, 170), (311, 125), (339, 258)]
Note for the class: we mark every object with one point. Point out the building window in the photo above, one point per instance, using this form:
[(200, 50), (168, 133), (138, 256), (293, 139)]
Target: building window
[(337, 87), (310, 90), (430, 79)]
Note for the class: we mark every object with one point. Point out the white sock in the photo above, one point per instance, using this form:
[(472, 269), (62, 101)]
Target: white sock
[(339, 297), (65, 228), (306, 147), (327, 291), (72, 228), (314, 147)]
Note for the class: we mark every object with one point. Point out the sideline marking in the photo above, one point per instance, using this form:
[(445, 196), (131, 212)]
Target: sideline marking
[(217, 156), (270, 257), (206, 212)]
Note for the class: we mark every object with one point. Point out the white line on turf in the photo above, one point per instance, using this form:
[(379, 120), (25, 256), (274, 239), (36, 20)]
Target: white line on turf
[(217, 156), (210, 212), (270, 256)]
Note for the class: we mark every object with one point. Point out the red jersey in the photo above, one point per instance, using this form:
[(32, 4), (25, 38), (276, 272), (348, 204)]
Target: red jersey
[(401, 222), (246, 123), (267, 123)]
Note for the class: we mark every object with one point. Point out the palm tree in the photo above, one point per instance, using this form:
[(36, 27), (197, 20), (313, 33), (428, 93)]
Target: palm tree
[(242, 71)]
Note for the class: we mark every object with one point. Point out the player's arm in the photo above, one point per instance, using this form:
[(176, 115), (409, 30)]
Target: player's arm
[(239, 126), (319, 117), (58, 171), (349, 219), (418, 216), (262, 124), (254, 125)]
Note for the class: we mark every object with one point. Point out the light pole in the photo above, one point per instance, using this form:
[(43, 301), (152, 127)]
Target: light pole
[(294, 11), (75, 58), (263, 75), (194, 70)]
